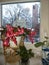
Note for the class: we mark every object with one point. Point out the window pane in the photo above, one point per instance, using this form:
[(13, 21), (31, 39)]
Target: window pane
[(24, 15)]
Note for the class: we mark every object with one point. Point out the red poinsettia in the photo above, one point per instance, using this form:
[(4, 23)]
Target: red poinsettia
[(12, 32)]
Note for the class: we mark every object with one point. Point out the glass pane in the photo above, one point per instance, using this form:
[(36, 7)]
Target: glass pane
[(24, 15)]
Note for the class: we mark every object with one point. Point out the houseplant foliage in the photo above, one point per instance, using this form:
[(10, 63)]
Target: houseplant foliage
[(45, 42), (25, 54)]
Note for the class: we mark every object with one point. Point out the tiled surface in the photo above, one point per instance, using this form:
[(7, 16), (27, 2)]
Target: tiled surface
[(33, 61)]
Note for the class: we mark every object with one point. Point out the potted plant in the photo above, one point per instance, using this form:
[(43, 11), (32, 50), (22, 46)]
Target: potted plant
[(11, 33), (25, 54)]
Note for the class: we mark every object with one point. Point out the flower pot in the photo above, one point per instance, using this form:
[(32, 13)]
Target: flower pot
[(25, 62)]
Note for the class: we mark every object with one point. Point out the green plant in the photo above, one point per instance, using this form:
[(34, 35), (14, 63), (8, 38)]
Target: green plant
[(24, 53), (38, 44)]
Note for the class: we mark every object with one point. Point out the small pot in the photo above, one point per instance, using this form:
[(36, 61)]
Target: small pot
[(24, 62)]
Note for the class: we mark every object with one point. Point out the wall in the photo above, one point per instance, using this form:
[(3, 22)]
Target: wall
[(44, 18)]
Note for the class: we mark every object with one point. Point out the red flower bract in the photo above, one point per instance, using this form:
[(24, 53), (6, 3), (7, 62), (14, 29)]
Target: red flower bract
[(10, 34), (6, 42)]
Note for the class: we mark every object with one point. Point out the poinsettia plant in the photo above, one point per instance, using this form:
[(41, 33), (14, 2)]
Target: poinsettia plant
[(11, 32)]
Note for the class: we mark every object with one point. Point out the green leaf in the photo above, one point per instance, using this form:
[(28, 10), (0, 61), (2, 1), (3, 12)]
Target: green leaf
[(38, 44), (46, 37)]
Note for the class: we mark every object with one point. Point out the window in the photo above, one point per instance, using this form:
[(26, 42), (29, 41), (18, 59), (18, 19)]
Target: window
[(24, 15)]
